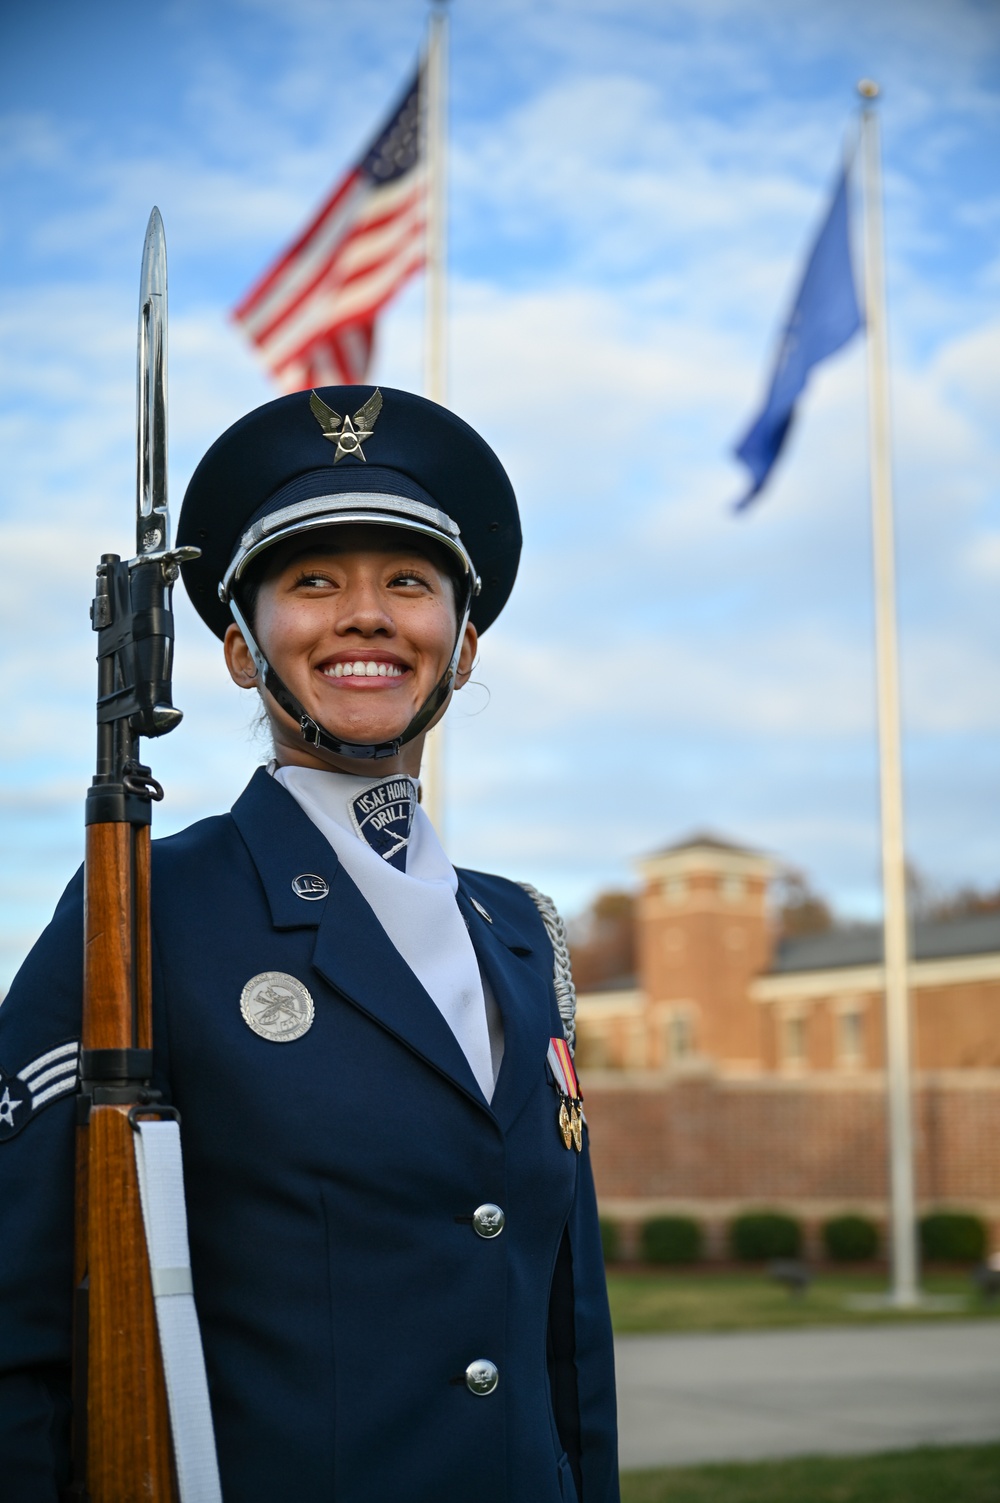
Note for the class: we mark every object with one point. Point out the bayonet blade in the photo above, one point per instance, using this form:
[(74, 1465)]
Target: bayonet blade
[(152, 517)]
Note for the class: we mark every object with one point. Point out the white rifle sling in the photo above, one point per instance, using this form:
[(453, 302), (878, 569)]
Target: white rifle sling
[(161, 1188)]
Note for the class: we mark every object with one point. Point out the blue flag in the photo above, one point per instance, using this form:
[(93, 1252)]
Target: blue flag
[(824, 316)]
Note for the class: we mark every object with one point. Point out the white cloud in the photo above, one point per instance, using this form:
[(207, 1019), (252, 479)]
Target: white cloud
[(982, 557)]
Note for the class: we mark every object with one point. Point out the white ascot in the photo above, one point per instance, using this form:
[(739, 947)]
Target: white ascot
[(416, 907)]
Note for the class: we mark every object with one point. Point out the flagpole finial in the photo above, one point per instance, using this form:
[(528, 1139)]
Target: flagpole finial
[(868, 88)]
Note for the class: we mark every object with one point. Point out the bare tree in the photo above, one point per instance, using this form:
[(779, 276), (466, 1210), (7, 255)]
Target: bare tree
[(800, 909), (602, 941)]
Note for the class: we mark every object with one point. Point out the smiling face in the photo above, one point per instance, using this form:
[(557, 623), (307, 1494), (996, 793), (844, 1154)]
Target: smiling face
[(359, 623)]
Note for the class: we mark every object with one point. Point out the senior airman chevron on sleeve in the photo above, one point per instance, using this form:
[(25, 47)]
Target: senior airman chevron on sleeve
[(44, 1080)]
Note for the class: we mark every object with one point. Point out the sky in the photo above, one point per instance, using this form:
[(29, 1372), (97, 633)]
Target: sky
[(633, 185)]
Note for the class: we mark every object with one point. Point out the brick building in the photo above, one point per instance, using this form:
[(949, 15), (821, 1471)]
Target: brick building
[(739, 1071)]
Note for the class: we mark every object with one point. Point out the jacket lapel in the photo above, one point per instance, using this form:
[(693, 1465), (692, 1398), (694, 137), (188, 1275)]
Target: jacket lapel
[(283, 844), (523, 998), (352, 952), (355, 955)]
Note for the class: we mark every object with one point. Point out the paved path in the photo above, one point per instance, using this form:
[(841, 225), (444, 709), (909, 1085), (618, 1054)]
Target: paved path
[(749, 1395)]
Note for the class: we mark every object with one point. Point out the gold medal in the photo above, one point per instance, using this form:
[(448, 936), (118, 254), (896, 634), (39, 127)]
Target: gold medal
[(563, 1076), (565, 1123)]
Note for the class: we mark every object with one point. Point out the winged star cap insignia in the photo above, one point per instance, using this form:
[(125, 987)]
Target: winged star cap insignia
[(348, 433)]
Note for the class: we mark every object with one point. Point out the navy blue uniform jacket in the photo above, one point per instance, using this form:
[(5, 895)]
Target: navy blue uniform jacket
[(331, 1181)]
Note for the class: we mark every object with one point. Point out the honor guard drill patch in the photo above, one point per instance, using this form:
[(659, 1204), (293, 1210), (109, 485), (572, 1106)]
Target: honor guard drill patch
[(44, 1080), (383, 817)]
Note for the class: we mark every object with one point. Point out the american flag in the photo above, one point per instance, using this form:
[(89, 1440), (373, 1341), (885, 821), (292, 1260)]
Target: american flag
[(312, 314)]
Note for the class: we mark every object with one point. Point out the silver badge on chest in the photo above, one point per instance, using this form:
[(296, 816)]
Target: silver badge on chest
[(277, 1007)]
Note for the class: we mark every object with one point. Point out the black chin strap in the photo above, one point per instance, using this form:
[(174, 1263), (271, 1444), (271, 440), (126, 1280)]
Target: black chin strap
[(316, 735)]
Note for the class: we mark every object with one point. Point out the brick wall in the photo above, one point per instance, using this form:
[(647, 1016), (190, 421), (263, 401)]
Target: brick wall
[(710, 1146)]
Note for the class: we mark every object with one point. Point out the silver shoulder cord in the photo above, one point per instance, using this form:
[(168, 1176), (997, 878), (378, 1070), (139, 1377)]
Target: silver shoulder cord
[(562, 975)]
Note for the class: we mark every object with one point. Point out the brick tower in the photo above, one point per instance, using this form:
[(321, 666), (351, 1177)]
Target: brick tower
[(703, 934)]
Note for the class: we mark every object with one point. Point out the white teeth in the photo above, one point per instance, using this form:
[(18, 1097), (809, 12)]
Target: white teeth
[(364, 670)]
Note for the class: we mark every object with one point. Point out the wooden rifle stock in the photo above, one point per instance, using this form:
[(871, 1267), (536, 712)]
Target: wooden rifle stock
[(122, 1439)]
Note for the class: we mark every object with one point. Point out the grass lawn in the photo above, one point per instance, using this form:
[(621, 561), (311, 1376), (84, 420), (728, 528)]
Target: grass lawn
[(749, 1301), (966, 1474)]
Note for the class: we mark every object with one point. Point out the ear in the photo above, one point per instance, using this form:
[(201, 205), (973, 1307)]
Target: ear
[(242, 669), (466, 657)]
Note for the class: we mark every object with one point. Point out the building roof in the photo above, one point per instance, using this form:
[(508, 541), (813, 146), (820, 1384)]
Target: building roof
[(973, 934), (702, 838)]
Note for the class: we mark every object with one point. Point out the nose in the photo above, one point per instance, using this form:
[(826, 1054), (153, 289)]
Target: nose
[(364, 609)]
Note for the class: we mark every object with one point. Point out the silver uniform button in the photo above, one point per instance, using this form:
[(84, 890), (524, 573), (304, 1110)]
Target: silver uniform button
[(488, 1220), (481, 1376)]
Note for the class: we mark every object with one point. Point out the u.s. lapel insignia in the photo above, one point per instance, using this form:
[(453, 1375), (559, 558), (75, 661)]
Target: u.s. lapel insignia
[(277, 1007), (45, 1079), (310, 887), (348, 433), (569, 1118)]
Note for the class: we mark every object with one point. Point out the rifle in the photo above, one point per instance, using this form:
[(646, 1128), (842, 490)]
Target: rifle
[(121, 1437)]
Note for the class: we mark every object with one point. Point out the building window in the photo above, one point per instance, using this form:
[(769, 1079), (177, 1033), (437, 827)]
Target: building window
[(734, 889), (674, 889), (793, 1041), (591, 1047), (680, 1038), (851, 1036)]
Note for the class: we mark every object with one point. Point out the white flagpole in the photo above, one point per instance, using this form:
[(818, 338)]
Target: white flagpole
[(435, 317), (897, 1002)]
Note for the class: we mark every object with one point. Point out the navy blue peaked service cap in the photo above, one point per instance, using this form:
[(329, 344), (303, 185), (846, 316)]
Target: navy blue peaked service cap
[(348, 453)]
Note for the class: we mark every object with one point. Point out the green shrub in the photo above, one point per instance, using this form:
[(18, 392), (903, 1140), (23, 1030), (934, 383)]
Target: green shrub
[(758, 1235), (610, 1240), (952, 1237), (672, 1239), (850, 1239)]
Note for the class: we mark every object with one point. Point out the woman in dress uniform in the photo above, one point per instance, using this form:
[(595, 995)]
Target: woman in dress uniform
[(394, 1239)]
